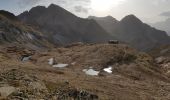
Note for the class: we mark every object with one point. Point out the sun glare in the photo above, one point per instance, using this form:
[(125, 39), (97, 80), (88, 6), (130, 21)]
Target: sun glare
[(104, 5)]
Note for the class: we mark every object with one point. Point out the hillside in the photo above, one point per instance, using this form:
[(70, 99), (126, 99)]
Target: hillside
[(81, 71), (163, 25), (14, 32), (108, 22), (134, 32), (62, 27), (48, 53)]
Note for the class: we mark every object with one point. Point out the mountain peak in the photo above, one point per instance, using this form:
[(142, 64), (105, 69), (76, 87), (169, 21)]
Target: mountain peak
[(108, 18), (37, 8), (130, 19), (8, 15), (111, 18), (130, 16), (64, 26), (54, 7)]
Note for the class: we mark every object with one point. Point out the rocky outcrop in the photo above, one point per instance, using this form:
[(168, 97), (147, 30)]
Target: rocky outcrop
[(16, 84)]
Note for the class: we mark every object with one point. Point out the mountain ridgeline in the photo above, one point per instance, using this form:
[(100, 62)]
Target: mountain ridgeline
[(163, 25), (62, 27), (40, 59), (14, 32), (54, 26), (133, 31)]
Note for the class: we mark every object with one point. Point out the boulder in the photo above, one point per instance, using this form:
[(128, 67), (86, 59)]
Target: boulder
[(6, 91), (160, 60), (113, 42)]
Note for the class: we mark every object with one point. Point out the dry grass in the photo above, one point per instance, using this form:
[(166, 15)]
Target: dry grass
[(134, 76)]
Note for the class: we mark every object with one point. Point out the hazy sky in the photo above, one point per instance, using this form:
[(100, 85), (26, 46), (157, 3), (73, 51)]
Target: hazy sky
[(147, 10)]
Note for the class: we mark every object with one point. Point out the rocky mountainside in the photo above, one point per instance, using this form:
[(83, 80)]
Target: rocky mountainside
[(163, 25), (87, 69), (161, 55), (14, 32), (62, 27), (108, 22), (134, 32)]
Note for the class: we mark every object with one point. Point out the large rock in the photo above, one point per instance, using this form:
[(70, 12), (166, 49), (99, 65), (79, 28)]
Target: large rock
[(160, 60), (6, 91)]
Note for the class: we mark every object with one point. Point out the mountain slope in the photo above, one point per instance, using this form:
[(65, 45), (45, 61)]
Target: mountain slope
[(13, 32), (63, 27), (164, 25), (108, 22), (134, 32)]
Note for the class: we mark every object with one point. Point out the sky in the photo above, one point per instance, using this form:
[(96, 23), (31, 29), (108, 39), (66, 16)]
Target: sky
[(149, 11)]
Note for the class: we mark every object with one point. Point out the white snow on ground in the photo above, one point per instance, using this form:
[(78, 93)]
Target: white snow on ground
[(51, 61), (108, 70), (73, 63), (26, 58), (60, 65), (30, 36), (91, 72)]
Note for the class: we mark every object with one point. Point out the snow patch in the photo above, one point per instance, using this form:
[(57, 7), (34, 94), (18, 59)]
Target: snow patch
[(26, 58), (108, 70), (91, 72), (60, 65), (30, 36), (51, 61), (73, 63)]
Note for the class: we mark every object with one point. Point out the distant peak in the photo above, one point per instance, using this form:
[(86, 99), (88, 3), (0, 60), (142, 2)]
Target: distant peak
[(110, 18), (100, 17), (131, 15), (131, 18), (53, 6), (8, 14), (3, 12), (39, 8)]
